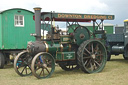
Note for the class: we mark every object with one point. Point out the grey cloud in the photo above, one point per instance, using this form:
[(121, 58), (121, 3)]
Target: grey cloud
[(119, 8)]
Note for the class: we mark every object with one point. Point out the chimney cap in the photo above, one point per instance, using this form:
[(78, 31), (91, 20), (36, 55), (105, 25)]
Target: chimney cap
[(37, 8)]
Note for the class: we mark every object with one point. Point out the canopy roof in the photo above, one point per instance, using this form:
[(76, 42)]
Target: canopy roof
[(74, 17)]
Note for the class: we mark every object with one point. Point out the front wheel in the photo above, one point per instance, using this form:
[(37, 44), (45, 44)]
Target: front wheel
[(43, 65), (22, 64), (92, 56)]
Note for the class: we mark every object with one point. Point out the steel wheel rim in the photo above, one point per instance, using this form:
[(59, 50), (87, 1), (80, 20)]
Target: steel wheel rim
[(43, 65), (22, 64), (94, 57)]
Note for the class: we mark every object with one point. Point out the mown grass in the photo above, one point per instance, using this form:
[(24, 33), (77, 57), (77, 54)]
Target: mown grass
[(114, 73)]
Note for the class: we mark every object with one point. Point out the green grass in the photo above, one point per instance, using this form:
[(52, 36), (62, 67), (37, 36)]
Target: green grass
[(114, 73)]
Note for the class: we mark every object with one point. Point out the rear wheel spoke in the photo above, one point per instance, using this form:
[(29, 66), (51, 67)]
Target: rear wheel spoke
[(85, 54), (85, 62), (91, 66), (92, 47), (96, 48), (88, 63), (99, 55), (86, 57), (97, 63), (87, 51)]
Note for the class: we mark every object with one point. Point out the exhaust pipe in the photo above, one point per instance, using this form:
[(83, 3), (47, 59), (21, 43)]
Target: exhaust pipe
[(38, 23), (37, 46)]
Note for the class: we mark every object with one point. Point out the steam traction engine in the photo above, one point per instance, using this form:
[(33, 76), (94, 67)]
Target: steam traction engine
[(79, 49)]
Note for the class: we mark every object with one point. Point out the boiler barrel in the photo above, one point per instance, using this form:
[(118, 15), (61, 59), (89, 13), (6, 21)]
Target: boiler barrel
[(57, 47), (36, 47)]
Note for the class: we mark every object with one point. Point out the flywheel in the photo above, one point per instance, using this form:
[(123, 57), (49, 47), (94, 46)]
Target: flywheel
[(81, 34)]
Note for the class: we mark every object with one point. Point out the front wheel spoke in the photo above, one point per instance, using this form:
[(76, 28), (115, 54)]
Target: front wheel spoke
[(29, 67), (47, 70), (26, 70), (37, 68), (44, 60), (23, 70), (19, 66), (41, 72), (20, 62), (36, 65), (49, 62)]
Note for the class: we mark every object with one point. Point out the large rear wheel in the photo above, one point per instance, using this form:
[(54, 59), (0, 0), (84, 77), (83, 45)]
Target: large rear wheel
[(43, 65), (92, 56)]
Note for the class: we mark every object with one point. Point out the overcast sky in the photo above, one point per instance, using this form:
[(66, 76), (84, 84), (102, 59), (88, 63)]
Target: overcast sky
[(119, 8)]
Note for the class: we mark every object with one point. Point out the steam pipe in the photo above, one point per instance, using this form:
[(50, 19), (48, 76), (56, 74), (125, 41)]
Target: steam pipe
[(94, 28), (38, 23)]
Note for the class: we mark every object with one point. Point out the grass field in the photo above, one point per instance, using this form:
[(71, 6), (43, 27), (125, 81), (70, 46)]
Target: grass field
[(114, 73)]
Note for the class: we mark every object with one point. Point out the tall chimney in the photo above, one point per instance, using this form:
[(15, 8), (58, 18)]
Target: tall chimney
[(38, 23)]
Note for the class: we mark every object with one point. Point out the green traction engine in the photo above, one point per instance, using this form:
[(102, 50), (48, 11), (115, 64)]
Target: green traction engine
[(74, 50)]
